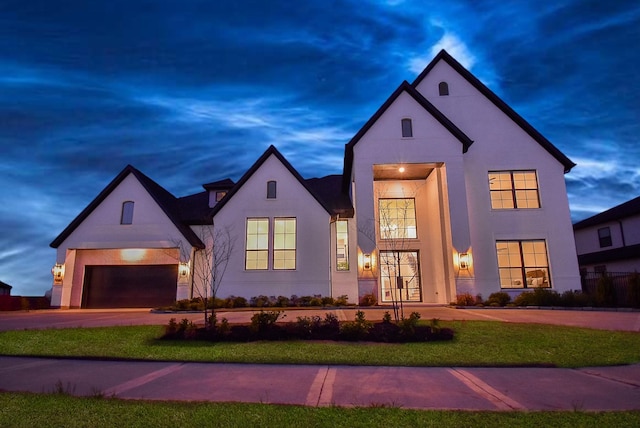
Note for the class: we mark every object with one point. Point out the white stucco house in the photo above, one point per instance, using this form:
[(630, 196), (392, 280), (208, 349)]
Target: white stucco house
[(610, 241), (445, 190)]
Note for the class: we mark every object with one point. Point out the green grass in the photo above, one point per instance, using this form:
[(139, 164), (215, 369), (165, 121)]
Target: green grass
[(29, 410), (477, 343)]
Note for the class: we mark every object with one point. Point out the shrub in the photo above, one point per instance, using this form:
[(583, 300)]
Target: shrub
[(369, 299), (465, 299), (315, 301), (331, 321), (500, 298), (283, 301), (342, 300), (263, 321), (386, 318), (357, 329), (634, 290), (408, 325), (306, 327), (260, 302), (571, 298), (327, 301), (605, 291), (538, 297)]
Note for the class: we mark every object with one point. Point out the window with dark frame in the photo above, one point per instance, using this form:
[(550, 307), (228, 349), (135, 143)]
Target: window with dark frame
[(126, 217), (604, 236), (271, 189), (514, 189), (523, 264), (407, 128), (443, 88)]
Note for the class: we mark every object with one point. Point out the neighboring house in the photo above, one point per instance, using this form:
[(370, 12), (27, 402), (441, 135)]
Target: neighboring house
[(445, 190), (5, 289), (610, 241)]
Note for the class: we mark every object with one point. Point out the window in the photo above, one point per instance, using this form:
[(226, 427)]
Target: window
[(523, 264), (271, 189), (407, 128), (400, 276), (220, 194), (127, 213), (284, 243), (397, 218), (443, 88), (342, 245), (257, 253), (604, 235), (513, 189)]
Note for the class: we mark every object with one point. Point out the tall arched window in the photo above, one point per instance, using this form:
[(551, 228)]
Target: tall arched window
[(127, 213), (443, 88), (407, 128)]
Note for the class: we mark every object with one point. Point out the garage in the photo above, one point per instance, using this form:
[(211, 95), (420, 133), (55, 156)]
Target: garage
[(139, 286)]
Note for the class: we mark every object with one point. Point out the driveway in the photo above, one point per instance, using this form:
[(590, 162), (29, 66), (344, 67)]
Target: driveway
[(55, 318)]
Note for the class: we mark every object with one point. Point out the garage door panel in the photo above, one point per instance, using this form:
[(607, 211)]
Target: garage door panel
[(137, 286)]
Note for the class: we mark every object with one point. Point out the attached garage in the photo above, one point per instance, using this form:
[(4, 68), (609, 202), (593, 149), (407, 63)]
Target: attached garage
[(132, 286)]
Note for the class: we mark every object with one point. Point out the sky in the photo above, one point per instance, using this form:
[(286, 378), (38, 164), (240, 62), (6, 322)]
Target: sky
[(191, 92)]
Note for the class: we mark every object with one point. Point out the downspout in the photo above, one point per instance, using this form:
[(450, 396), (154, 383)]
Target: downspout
[(331, 221), (624, 244)]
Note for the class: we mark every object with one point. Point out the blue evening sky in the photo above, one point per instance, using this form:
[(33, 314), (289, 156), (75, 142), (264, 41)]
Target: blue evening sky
[(190, 92)]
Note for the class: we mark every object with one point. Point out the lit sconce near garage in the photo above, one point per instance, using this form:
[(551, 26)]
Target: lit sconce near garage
[(366, 262), (58, 273), (401, 169), (464, 260), (183, 269)]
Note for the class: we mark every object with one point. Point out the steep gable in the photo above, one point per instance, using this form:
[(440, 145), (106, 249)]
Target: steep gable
[(499, 103), (165, 200)]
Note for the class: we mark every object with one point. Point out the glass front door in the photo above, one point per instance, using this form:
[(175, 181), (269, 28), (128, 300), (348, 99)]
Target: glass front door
[(400, 276)]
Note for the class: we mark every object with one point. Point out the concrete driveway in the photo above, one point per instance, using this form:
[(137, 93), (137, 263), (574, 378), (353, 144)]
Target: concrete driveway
[(605, 320)]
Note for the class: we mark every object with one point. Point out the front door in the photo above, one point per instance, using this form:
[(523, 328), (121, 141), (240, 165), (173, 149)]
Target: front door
[(400, 276)]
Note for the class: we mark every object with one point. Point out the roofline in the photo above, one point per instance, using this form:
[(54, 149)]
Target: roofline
[(619, 212), (497, 101), (247, 175), (420, 99), (144, 181)]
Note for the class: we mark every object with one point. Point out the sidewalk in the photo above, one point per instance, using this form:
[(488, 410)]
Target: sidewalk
[(498, 389)]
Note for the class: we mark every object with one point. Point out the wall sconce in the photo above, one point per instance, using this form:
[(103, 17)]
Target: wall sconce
[(366, 263), (183, 269), (58, 273), (463, 260)]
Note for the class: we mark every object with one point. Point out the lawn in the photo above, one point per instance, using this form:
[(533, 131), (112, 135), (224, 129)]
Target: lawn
[(476, 343), (29, 410)]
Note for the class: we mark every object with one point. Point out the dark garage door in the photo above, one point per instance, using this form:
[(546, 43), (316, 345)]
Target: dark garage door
[(129, 286)]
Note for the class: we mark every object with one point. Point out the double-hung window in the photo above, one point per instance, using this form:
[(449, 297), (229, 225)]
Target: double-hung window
[(604, 237), (523, 264), (514, 189)]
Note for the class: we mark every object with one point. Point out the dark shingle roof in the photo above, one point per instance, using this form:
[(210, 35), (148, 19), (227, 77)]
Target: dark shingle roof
[(329, 189), (618, 212), (165, 200), (622, 253), (475, 82), (225, 184), (5, 286)]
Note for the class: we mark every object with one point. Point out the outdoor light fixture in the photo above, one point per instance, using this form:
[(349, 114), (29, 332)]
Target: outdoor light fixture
[(183, 269), (58, 273), (463, 260), (401, 169), (367, 262)]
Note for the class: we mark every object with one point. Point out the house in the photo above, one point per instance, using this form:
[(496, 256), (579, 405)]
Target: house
[(445, 190), (610, 241), (5, 289)]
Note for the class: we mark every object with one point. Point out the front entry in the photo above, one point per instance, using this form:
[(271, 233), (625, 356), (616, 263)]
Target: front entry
[(400, 276)]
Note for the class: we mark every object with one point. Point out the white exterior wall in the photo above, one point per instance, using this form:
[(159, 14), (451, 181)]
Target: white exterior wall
[(345, 282), (431, 143), (151, 229), (500, 144), (313, 267)]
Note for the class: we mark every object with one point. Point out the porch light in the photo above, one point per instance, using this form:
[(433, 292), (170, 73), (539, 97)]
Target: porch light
[(183, 269), (401, 169), (463, 260), (58, 273), (366, 262)]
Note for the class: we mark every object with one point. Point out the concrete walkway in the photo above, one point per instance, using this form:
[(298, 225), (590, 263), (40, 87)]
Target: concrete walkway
[(497, 389)]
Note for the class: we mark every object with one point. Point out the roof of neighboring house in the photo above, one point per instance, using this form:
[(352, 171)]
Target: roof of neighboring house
[(627, 209), (420, 99), (328, 202), (476, 83), (165, 200), (622, 253), (225, 184), (5, 286)]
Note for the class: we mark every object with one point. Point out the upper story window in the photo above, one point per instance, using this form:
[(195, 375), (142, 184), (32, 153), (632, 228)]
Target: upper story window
[(220, 194), (126, 216), (257, 244), (407, 128), (604, 236), (523, 264), (342, 245), (513, 189), (443, 88), (271, 189), (397, 218)]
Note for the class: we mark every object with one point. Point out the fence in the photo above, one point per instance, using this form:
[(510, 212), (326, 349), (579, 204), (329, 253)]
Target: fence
[(621, 289)]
